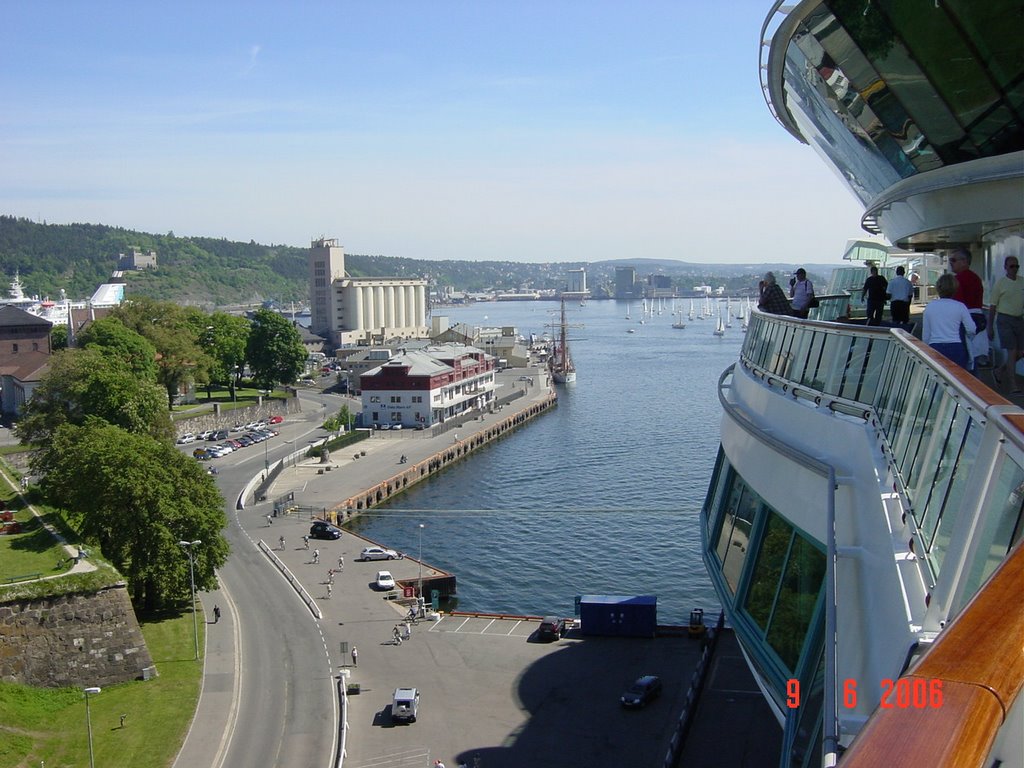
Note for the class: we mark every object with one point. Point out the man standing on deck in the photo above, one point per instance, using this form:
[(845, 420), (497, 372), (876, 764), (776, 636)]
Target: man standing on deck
[(875, 290), (901, 291), (1006, 312), (971, 292)]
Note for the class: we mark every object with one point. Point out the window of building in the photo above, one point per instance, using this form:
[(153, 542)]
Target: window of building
[(396, 398), (374, 398)]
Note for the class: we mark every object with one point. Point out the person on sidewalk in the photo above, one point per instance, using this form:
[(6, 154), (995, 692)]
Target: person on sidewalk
[(341, 562), (355, 656), (216, 613), (316, 556), (281, 541), (330, 591), (305, 542)]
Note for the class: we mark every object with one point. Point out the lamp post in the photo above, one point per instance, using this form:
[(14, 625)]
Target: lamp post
[(420, 559), (93, 690), (189, 549)]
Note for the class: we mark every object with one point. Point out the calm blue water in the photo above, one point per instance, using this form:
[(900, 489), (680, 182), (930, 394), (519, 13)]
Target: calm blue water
[(599, 496)]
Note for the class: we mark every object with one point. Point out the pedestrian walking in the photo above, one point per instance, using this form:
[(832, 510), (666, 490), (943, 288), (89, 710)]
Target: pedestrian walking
[(281, 541), (330, 591), (316, 556), (270, 520), (355, 656), (341, 562), (305, 542), (406, 630), (397, 635), (330, 575), (216, 613)]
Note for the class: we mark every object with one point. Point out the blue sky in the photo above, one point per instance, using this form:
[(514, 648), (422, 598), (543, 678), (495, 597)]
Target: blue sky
[(526, 131)]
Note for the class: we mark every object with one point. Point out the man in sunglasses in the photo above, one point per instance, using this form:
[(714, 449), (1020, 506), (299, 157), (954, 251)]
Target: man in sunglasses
[(1006, 314)]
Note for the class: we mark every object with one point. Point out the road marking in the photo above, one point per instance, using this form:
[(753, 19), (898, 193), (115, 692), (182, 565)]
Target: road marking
[(487, 626)]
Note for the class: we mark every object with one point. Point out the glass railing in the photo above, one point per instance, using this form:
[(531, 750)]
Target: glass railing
[(955, 447)]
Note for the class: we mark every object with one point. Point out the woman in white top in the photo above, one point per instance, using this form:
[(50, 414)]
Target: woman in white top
[(945, 319)]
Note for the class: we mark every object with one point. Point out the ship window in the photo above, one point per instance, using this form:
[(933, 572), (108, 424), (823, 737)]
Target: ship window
[(798, 596), (734, 541), (764, 583)]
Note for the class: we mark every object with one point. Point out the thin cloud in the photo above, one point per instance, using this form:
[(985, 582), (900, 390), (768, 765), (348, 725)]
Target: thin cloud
[(254, 53)]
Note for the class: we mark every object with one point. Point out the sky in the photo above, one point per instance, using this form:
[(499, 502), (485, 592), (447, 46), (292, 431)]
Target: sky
[(524, 131)]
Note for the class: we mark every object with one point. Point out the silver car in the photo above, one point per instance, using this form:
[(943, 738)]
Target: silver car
[(378, 553)]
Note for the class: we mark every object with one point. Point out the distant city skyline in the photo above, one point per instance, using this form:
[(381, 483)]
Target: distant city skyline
[(535, 132)]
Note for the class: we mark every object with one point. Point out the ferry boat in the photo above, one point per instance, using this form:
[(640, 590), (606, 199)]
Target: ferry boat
[(863, 523)]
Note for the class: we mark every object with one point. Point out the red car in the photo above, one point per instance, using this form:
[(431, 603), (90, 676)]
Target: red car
[(275, 419)]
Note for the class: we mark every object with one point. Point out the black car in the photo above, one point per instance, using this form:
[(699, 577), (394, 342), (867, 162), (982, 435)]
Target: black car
[(324, 530), (642, 692), (551, 628)]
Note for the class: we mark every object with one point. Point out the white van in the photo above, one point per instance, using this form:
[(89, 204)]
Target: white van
[(406, 705)]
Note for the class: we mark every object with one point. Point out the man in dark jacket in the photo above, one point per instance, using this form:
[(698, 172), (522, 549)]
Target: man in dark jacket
[(875, 289)]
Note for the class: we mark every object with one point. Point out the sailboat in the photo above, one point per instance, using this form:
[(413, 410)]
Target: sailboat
[(691, 310), (679, 323), (720, 327), (562, 369)]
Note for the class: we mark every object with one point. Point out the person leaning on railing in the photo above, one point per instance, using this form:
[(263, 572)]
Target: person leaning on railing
[(772, 299)]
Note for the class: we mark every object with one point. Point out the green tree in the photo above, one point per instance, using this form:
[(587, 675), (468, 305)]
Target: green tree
[(136, 498), (112, 337), (274, 350), (83, 383), (180, 359), (224, 340), (59, 338)]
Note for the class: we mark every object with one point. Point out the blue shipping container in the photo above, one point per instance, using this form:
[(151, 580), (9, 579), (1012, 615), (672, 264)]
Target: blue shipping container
[(619, 615)]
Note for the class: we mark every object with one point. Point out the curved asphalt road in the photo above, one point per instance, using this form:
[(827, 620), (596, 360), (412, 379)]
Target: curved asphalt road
[(287, 706)]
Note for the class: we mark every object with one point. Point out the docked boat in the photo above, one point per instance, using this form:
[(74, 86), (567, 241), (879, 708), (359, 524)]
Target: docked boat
[(863, 523), (563, 371)]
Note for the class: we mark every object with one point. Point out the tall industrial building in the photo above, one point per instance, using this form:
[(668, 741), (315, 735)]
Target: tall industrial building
[(576, 286), (362, 310), (625, 283)]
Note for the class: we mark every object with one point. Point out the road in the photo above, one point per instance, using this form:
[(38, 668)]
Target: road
[(287, 709)]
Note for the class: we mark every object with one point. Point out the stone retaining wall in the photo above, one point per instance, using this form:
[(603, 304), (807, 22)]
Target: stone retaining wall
[(73, 640), (423, 469)]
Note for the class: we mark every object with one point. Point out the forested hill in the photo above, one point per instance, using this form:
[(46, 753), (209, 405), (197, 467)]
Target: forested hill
[(208, 271)]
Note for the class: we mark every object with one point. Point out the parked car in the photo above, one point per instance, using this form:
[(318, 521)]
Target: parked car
[(377, 553), (188, 437), (253, 425), (551, 628), (397, 425), (385, 580), (642, 692), (205, 435), (275, 419), (202, 454), (321, 529), (405, 707), (220, 434)]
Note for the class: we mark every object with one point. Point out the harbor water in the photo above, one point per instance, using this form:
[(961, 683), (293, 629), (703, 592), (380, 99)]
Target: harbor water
[(599, 496)]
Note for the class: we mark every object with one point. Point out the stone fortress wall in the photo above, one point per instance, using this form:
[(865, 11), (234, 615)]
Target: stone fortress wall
[(77, 640)]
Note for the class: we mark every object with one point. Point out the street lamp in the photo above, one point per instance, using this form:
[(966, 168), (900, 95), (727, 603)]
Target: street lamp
[(93, 690), (189, 548), (420, 558)]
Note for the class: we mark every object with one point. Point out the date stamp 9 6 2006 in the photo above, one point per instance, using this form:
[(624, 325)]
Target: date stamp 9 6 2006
[(905, 693)]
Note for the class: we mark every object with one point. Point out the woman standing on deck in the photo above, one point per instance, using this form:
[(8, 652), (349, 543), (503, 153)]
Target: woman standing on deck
[(947, 323)]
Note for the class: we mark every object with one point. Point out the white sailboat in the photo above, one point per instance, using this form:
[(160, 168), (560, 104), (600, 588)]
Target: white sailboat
[(691, 316), (679, 323), (720, 326)]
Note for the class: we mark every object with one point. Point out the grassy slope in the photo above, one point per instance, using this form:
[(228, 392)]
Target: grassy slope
[(48, 725)]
